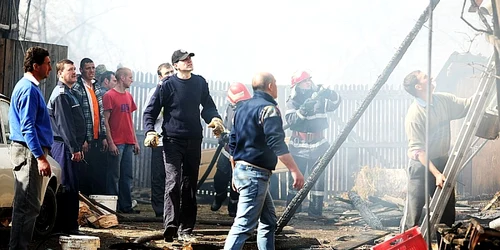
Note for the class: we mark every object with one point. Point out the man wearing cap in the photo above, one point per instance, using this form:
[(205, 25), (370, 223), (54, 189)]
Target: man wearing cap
[(180, 96)]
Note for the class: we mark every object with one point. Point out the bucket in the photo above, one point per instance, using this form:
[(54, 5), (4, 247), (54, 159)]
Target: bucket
[(82, 242), (106, 200), (489, 125)]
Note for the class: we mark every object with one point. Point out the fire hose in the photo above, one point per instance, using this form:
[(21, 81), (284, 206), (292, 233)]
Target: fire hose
[(224, 137)]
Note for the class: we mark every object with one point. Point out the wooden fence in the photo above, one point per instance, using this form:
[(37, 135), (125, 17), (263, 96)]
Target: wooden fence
[(11, 64), (377, 140)]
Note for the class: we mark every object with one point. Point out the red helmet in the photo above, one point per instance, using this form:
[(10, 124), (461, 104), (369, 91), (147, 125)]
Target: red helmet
[(300, 76), (237, 92)]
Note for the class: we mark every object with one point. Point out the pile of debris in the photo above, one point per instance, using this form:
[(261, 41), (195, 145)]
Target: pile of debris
[(471, 236)]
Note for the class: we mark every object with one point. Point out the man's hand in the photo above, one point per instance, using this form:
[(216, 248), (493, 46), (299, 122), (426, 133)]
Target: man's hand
[(307, 107), (298, 180), (104, 145), (217, 126), (85, 147), (136, 148), (113, 149), (152, 139), (440, 178), (43, 166), (77, 156)]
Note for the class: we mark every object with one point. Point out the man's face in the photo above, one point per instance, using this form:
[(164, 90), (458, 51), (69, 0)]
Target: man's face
[(164, 72), (88, 71), (185, 65), (307, 84), (424, 83), (273, 89), (127, 79), (42, 71), (111, 83), (68, 74)]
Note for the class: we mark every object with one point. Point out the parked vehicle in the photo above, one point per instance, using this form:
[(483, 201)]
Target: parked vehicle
[(47, 217)]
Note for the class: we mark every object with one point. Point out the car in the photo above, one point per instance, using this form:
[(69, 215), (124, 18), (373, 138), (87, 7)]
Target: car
[(46, 219)]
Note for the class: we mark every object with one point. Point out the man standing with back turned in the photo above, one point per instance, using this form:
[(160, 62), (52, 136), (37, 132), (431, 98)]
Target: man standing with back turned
[(31, 136), (256, 141)]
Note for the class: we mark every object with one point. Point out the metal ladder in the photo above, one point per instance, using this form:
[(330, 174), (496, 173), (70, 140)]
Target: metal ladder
[(462, 148)]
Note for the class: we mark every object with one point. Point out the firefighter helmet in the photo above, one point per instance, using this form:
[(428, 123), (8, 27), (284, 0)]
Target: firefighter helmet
[(237, 92), (299, 77)]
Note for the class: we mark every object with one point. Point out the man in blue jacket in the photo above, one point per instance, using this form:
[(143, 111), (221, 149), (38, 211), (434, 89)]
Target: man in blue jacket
[(68, 127), (256, 142), (31, 136), (180, 96)]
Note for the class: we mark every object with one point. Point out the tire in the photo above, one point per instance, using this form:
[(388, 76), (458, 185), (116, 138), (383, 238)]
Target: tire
[(47, 218)]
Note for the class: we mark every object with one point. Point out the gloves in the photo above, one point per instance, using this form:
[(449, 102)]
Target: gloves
[(217, 126), (307, 107), (152, 139), (319, 107), (224, 137)]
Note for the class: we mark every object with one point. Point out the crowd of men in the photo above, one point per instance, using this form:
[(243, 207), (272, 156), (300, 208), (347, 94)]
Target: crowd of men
[(86, 126)]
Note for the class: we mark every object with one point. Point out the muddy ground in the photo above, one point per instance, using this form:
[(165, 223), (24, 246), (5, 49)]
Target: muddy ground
[(302, 232)]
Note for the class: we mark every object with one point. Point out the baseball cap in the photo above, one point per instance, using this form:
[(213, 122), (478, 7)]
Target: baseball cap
[(180, 55)]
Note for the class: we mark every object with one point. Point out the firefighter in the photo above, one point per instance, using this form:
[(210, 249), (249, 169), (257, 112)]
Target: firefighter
[(237, 92), (306, 113)]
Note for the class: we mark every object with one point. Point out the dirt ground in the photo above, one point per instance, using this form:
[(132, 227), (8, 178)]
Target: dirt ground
[(302, 232)]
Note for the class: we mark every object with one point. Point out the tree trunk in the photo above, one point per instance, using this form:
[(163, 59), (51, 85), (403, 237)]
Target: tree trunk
[(9, 19), (370, 218)]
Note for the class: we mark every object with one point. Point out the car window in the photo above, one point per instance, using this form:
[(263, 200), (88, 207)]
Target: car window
[(4, 113)]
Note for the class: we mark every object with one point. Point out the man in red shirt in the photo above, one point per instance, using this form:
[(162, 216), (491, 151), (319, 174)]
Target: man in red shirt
[(118, 107)]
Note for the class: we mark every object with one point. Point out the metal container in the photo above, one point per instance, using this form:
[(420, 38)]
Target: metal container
[(489, 127)]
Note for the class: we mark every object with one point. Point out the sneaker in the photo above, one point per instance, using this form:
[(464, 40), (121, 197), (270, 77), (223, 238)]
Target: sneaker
[(134, 203), (187, 238)]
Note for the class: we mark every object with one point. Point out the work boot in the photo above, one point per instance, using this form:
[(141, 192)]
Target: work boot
[(218, 200), (316, 206), (232, 207), (289, 198)]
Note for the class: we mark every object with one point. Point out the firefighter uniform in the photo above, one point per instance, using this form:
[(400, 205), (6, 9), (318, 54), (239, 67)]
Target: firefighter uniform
[(306, 114)]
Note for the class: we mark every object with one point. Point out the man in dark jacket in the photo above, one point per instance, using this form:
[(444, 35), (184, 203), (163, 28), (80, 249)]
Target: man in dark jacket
[(236, 93), (256, 142), (68, 127), (90, 93), (306, 114), (180, 96)]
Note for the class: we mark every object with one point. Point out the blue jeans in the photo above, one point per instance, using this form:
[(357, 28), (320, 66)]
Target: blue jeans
[(255, 206), (119, 176)]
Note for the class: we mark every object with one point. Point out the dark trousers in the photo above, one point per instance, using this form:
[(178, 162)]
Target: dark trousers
[(67, 199), (27, 191), (157, 180), (305, 159), (415, 199), (93, 172), (222, 180), (182, 163)]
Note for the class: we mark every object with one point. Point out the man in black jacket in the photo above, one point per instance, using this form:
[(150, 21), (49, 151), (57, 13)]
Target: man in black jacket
[(180, 96), (306, 114), (68, 127)]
